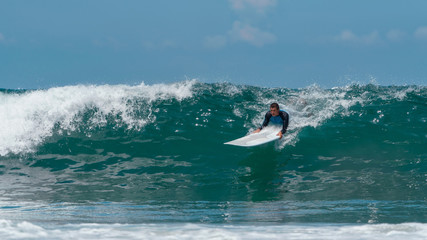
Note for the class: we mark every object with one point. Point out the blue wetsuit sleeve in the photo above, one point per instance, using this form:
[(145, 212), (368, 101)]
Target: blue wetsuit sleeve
[(285, 118), (266, 120)]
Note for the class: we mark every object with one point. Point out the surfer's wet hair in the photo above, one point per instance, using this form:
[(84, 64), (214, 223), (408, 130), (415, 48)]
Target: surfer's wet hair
[(275, 105)]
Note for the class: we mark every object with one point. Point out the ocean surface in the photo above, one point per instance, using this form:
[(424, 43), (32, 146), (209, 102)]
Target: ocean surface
[(149, 162)]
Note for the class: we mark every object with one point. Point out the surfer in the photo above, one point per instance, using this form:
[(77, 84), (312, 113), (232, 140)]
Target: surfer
[(275, 116)]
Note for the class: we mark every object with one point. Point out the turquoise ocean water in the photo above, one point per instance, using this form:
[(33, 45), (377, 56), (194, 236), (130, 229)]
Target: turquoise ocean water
[(148, 162)]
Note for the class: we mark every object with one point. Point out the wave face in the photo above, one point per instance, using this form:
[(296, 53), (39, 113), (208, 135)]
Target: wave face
[(164, 142)]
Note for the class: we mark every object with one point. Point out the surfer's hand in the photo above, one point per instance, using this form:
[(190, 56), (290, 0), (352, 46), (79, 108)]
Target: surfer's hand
[(257, 131), (280, 135)]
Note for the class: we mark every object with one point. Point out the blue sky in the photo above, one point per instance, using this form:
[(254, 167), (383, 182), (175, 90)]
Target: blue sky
[(272, 43)]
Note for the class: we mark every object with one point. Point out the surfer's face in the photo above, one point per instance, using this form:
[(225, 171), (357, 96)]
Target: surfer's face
[(274, 111)]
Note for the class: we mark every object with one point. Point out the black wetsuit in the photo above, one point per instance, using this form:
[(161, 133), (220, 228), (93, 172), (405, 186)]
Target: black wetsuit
[(282, 119)]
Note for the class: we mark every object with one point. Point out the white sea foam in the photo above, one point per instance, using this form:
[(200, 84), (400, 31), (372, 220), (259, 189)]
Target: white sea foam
[(309, 107), (27, 230), (27, 119)]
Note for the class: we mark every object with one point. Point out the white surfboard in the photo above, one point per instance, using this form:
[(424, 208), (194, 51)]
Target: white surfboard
[(266, 135)]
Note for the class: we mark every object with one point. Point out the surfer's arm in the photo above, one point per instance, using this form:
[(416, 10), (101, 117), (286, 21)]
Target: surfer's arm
[(285, 118), (266, 121)]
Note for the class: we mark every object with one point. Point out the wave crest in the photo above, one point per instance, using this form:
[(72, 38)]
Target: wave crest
[(30, 117)]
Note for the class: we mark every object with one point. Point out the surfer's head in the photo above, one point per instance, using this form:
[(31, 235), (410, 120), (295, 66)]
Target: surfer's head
[(275, 105), (274, 109)]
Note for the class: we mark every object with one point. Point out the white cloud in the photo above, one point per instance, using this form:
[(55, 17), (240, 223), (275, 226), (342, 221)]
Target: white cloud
[(215, 42), (251, 35), (395, 35), (240, 32), (258, 5), (346, 35), (421, 33), (349, 37)]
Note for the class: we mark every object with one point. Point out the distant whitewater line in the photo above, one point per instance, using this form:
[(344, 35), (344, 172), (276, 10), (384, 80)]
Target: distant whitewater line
[(25, 230)]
